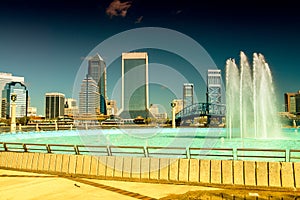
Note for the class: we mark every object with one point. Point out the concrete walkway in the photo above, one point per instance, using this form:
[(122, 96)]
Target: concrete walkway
[(31, 186)]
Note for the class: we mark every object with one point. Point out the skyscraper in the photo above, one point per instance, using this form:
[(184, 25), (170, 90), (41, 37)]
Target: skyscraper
[(135, 99), (97, 70), (89, 97), (214, 86), (188, 94), (21, 91), (7, 78), (54, 105)]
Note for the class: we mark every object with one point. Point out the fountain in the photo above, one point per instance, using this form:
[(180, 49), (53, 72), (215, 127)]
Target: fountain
[(250, 97)]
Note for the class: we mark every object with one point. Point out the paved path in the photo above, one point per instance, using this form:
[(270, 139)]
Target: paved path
[(33, 186)]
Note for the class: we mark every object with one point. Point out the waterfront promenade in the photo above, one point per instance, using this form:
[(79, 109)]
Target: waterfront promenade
[(69, 176), (29, 186), (113, 172)]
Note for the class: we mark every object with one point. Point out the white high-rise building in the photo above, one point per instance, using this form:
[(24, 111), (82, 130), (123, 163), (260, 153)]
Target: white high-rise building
[(7, 78), (188, 94), (89, 97)]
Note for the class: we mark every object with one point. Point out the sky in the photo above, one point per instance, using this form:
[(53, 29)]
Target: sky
[(48, 41)]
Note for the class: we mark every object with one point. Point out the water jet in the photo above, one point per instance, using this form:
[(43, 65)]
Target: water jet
[(250, 99)]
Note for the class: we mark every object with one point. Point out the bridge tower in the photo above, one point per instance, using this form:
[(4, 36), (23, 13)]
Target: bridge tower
[(214, 86), (213, 95)]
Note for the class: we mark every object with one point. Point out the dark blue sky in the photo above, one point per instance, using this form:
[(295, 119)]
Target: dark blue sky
[(46, 40)]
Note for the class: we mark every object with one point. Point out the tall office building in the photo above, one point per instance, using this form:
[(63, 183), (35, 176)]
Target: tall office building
[(21, 91), (7, 78), (89, 97), (54, 105), (135, 99), (97, 70), (214, 86), (188, 94), (290, 102)]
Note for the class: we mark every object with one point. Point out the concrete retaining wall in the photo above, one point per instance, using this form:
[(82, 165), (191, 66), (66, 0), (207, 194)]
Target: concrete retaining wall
[(216, 172)]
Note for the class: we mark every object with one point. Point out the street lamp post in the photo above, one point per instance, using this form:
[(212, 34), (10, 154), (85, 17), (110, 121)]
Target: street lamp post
[(13, 126), (173, 115)]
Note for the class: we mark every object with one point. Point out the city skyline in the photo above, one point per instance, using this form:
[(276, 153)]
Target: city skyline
[(46, 42)]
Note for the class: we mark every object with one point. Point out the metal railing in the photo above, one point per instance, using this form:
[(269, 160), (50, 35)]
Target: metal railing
[(288, 155)]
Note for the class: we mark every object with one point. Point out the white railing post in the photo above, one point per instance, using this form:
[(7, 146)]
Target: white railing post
[(188, 152), (287, 155), (234, 154)]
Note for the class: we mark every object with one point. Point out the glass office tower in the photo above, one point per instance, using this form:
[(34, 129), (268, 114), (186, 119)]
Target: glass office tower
[(97, 71), (21, 91), (4, 79), (135, 98)]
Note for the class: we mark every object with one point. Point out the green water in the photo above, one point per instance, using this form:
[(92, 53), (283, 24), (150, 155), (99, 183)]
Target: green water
[(180, 137)]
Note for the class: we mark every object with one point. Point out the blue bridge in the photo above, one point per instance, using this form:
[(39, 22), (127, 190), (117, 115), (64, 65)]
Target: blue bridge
[(213, 114)]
